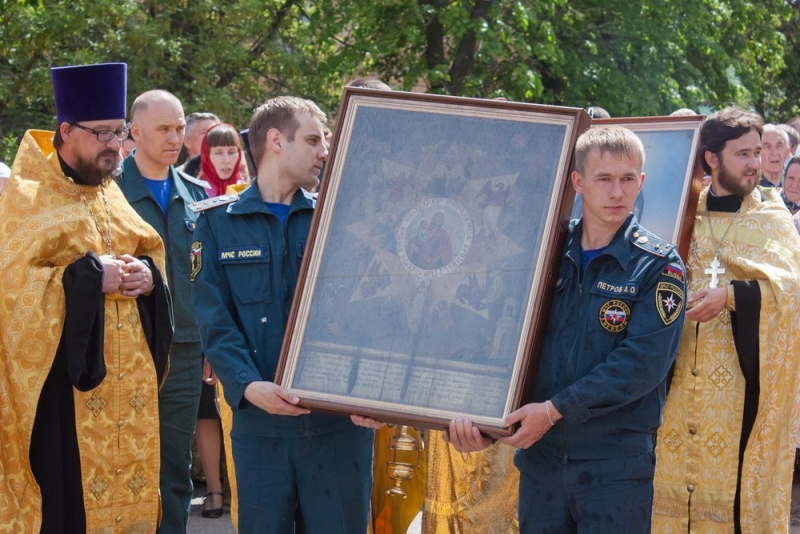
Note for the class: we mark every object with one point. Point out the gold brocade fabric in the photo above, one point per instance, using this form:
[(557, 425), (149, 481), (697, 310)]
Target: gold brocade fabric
[(235, 189), (44, 227), (226, 419), (698, 442), (474, 493), (392, 514)]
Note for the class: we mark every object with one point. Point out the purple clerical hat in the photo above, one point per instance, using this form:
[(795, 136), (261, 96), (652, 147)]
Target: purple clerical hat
[(90, 92)]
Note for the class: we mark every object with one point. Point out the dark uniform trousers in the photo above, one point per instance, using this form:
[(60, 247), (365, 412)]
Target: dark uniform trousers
[(586, 496), (178, 402), (328, 473)]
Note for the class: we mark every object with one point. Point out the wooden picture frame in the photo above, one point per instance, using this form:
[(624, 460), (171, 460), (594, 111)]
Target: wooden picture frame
[(673, 175), (429, 268)]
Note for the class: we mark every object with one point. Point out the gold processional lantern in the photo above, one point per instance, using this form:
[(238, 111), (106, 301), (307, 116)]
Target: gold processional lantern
[(405, 454)]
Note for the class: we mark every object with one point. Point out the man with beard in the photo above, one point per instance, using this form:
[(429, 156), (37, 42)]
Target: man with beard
[(160, 195), (85, 324), (727, 443)]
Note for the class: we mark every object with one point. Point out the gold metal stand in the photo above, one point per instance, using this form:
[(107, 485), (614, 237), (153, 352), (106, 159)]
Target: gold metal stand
[(401, 463)]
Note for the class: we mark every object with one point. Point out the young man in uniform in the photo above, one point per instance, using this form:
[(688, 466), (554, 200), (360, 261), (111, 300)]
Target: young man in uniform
[(246, 260), (586, 441)]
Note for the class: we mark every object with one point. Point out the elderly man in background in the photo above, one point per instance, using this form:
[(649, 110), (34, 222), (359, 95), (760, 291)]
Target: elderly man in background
[(774, 153), (197, 124)]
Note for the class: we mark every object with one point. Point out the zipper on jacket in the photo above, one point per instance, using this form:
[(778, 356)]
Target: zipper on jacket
[(167, 250)]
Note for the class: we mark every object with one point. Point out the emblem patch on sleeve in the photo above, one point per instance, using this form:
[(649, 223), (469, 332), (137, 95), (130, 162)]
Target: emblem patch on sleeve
[(669, 301), (614, 315), (196, 259), (674, 270)]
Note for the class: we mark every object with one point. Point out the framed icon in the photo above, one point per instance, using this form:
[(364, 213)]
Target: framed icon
[(429, 268), (673, 175)]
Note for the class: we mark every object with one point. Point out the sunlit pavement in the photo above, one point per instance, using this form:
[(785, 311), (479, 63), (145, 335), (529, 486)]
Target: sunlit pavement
[(200, 525)]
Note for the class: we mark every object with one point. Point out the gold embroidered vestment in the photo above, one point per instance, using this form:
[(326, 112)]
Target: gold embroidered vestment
[(474, 493), (45, 227), (698, 442)]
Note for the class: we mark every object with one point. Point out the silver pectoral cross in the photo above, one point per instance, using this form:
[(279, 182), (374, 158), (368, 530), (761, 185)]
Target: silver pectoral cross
[(714, 270)]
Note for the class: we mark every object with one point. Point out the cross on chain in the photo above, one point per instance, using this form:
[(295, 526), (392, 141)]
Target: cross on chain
[(714, 270)]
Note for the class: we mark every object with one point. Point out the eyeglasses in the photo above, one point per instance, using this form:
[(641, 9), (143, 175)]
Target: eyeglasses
[(104, 136)]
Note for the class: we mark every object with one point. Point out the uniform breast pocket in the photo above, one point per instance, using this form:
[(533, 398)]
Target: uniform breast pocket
[(560, 307), (300, 248), (248, 271)]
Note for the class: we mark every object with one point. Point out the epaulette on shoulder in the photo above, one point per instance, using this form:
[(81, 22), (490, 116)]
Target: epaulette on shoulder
[(203, 205), (196, 181), (651, 243)]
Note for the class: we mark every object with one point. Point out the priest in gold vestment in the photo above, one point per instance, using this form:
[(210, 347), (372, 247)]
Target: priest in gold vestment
[(726, 446), (86, 326)]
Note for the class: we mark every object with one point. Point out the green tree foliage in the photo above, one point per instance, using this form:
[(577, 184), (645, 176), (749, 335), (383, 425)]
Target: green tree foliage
[(784, 98), (633, 58)]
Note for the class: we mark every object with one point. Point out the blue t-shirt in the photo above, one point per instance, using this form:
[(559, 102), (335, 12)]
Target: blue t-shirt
[(589, 255), (161, 190), (281, 210)]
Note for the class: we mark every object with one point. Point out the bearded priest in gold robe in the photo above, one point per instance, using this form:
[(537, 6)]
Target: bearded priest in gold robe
[(86, 325), (726, 447)]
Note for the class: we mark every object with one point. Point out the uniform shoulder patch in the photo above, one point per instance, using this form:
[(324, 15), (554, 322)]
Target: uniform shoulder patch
[(651, 243), (195, 260), (669, 302), (675, 270), (192, 180), (203, 205)]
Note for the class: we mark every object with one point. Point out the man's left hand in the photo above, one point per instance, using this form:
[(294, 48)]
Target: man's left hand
[(137, 280), (533, 424)]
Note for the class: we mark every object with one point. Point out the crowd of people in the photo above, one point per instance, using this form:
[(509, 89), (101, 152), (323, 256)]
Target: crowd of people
[(666, 398)]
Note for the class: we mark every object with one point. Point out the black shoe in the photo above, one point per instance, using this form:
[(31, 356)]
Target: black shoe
[(212, 513)]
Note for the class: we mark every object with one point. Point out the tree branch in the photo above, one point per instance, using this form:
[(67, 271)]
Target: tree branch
[(465, 55)]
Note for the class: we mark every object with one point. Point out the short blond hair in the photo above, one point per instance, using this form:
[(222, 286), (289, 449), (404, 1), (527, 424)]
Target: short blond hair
[(617, 140)]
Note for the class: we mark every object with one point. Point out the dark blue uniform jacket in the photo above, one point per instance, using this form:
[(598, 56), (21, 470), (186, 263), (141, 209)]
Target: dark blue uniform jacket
[(176, 231), (243, 290), (611, 340)]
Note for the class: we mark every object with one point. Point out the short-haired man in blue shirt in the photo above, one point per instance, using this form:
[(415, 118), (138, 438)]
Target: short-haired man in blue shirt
[(586, 440), (246, 261)]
